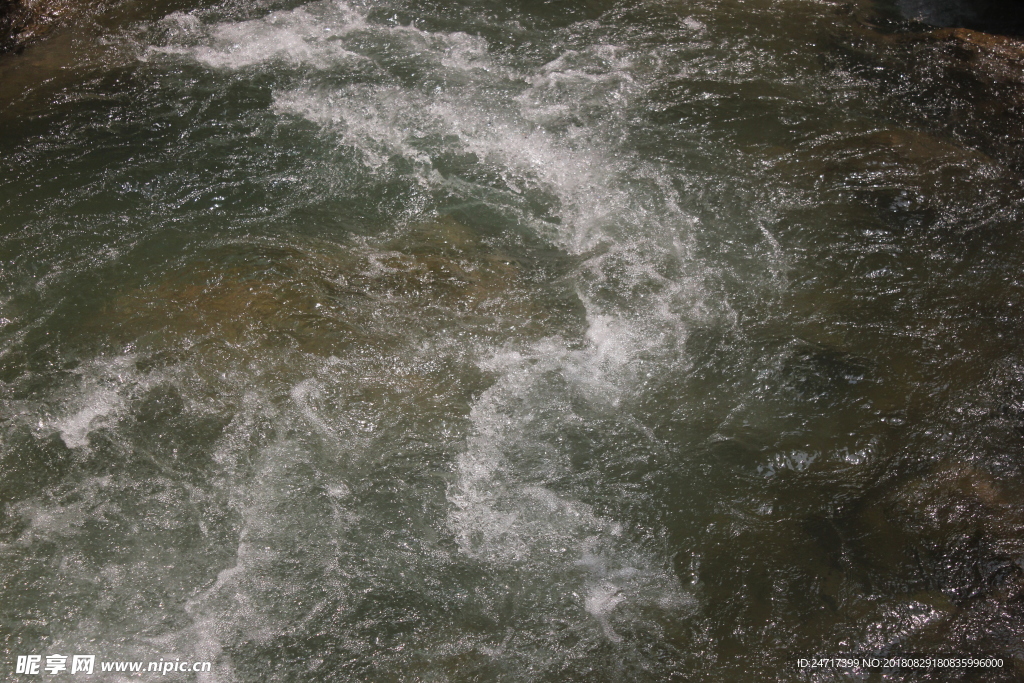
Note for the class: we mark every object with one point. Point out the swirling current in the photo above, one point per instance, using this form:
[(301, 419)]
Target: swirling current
[(592, 340)]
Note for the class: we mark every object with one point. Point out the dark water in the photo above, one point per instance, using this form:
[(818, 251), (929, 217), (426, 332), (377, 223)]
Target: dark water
[(565, 341)]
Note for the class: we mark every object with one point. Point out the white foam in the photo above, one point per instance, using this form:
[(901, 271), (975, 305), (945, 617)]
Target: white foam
[(550, 133), (303, 394), (103, 383), (321, 35), (374, 119), (382, 121), (49, 521), (579, 86), (694, 25), (501, 518), (296, 37), (74, 429)]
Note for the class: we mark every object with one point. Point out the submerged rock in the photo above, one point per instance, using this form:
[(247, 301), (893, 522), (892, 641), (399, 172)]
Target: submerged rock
[(994, 16), (959, 82), (23, 21), (983, 44), (322, 298)]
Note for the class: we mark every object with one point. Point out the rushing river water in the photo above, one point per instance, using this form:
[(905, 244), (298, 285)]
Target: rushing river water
[(403, 340)]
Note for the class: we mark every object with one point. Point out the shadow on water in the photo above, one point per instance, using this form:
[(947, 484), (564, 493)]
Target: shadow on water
[(1004, 17)]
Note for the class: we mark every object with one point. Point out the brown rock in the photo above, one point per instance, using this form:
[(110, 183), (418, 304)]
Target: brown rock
[(22, 21), (322, 297)]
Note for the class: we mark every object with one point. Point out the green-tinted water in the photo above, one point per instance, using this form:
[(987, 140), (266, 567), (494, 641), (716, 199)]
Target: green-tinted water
[(412, 341)]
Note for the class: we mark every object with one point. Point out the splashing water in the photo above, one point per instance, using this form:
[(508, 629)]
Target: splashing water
[(383, 341)]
